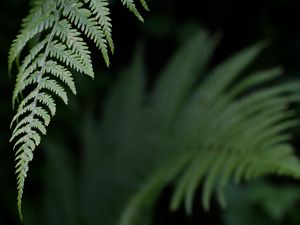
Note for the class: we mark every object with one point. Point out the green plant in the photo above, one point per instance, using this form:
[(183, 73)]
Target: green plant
[(225, 128), (53, 31), (263, 204), (196, 126)]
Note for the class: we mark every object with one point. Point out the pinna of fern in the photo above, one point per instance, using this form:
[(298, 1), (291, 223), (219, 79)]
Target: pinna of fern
[(55, 29)]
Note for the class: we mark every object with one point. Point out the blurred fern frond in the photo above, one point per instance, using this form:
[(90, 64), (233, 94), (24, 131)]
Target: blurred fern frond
[(197, 126), (227, 127), (263, 203)]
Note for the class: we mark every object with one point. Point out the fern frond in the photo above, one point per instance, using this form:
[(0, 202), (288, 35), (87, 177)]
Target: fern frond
[(226, 129), (179, 75), (46, 68), (247, 127)]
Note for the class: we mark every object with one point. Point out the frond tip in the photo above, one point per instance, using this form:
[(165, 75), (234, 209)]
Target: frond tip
[(57, 27)]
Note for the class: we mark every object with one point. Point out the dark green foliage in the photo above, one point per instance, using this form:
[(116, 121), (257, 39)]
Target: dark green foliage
[(262, 203), (195, 127), (57, 201)]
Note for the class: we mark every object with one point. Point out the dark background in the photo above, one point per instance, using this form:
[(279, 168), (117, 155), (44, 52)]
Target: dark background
[(169, 23)]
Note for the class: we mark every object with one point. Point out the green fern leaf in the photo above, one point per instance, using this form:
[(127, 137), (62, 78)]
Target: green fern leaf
[(59, 27)]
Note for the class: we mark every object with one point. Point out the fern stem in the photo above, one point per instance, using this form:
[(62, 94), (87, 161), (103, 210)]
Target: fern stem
[(42, 70)]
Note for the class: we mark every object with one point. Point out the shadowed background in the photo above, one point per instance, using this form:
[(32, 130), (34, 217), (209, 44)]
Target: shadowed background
[(168, 24)]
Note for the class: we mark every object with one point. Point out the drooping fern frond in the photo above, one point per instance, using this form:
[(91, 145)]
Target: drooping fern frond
[(54, 30)]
